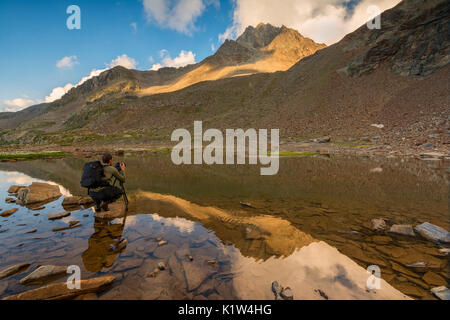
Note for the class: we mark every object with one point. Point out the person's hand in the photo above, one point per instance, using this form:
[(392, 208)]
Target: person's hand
[(122, 166)]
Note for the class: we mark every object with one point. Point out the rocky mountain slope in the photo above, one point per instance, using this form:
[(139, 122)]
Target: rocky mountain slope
[(396, 77), (262, 49)]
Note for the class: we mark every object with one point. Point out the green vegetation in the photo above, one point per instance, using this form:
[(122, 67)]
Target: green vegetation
[(33, 155)]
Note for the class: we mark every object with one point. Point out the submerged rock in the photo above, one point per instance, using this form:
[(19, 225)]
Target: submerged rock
[(434, 279), (55, 216), (10, 200), (162, 266), (9, 212), (59, 291), (42, 273), (13, 270), (433, 232), (56, 229), (378, 224), (402, 229), (441, 292)]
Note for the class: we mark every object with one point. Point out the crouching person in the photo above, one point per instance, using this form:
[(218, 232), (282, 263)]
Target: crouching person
[(106, 193)]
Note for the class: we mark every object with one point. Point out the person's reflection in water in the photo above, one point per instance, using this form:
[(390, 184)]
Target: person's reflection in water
[(105, 244)]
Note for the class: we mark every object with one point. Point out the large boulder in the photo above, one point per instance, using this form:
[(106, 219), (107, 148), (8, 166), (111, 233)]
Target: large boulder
[(38, 192), (433, 232)]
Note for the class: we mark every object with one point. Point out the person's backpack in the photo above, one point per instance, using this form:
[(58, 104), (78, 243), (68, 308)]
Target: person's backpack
[(92, 175)]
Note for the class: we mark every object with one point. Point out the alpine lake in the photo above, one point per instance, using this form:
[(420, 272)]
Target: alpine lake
[(226, 232)]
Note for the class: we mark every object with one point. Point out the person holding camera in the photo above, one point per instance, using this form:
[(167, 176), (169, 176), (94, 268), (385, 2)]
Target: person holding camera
[(108, 193)]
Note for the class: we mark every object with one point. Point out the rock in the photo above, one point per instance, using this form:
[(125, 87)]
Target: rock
[(323, 140), (15, 189), (276, 289), (56, 229), (161, 243), (376, 125), (9, 212), (38, 208), (73, 222), (13, 270), (403, 229), (381, 240), (3, 230), (434, 279), (444, 251), (195, 273), (31, 231), (189, 257), (162, 266), (10, 200), (419, 264), (246, 205), (55, 216), (287, 294), (116, 210), (36, 214), (59, 291), (433, 232), (432, 155), (75, 201), (70, 201), (38, 192), (43, 273), (85, 215), (322, 294), (378, 224), (441, 292)]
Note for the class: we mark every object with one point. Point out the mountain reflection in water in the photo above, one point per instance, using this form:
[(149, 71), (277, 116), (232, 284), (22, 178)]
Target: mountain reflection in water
[(299, 224)]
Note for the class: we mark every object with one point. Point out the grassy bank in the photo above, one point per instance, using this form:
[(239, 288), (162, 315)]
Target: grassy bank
[(34, 155)]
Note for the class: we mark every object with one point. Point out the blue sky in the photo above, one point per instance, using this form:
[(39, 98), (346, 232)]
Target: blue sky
[(39, 53)]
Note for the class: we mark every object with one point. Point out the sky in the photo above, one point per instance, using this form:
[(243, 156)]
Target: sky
[(41, 58)]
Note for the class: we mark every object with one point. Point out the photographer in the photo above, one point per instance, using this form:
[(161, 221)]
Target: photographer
[(102, 196)]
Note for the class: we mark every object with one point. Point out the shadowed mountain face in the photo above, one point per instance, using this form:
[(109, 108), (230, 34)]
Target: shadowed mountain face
[(396, 76)]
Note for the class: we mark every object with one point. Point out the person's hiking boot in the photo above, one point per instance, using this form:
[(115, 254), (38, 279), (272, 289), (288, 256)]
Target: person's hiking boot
[(105, 207)]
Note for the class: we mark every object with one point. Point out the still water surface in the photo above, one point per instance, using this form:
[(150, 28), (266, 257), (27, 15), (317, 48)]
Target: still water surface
[(308, 228)]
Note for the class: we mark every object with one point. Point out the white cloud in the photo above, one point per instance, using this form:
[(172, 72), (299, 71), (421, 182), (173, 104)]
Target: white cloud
[(124, 61), (67, 62), (17, 104), (183, 59), (179, 15), (324, 21), (134, 26)]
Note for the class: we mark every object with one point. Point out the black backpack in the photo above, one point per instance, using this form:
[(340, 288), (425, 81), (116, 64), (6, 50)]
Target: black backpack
[(92, 175)]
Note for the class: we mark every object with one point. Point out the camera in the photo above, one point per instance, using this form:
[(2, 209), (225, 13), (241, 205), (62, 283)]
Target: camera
[(117, 166)]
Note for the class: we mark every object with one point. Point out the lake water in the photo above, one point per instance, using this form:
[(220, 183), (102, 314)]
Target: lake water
[(308, 227)]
